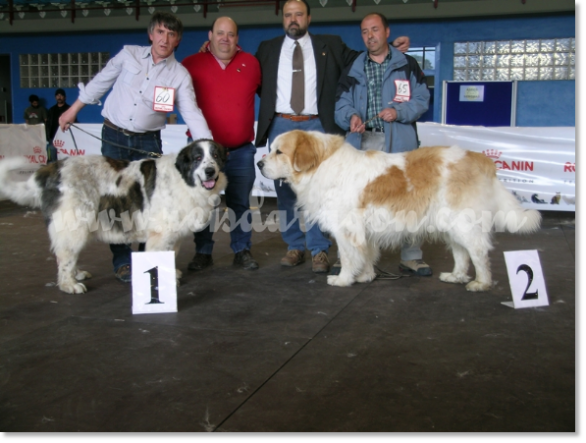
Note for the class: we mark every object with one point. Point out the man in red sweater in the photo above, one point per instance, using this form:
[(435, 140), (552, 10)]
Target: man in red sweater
[(225, 80)]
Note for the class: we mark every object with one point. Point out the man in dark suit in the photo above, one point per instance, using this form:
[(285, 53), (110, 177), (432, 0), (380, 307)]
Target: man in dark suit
[(324, 58)]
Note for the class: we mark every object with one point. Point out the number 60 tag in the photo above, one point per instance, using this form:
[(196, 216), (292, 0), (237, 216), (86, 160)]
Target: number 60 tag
[(154, 284), (526, 279)]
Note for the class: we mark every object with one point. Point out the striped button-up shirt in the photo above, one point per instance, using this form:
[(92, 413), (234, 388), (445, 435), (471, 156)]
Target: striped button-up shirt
[(133, 76)]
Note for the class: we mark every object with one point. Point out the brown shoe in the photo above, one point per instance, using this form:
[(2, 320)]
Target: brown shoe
[(320, 263), (294, 257)]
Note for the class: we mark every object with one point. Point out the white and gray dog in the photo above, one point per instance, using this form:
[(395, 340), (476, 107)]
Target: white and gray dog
[(156, 202)]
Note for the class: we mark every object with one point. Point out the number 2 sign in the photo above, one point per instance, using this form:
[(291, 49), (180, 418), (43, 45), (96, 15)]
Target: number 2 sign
[(526, 279), (154, 285)]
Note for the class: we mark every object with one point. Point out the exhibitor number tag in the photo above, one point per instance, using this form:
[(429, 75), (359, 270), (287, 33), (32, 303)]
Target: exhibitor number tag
[(403, 88), (163, 99)]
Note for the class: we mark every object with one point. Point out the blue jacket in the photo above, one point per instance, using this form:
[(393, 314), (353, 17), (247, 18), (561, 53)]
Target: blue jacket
[(352, 97)]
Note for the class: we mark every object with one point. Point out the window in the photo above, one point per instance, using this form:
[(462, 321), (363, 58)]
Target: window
[(425, 57), (541, 59), (60, 70)]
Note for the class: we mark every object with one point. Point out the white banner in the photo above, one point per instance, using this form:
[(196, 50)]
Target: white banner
[(538, 165), (27, 140), (24, 140)]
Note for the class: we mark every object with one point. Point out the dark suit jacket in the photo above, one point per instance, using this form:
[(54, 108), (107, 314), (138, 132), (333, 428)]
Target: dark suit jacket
[(331, 57)]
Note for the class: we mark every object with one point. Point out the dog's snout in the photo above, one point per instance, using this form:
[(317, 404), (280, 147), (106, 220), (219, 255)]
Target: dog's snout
[(260, 164), (210, 172)]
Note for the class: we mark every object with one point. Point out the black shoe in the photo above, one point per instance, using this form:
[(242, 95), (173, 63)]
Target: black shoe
[(200, 261), (124, 274), (244, 259)]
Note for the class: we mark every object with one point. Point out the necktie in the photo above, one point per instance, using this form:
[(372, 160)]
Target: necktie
[(298, 83)]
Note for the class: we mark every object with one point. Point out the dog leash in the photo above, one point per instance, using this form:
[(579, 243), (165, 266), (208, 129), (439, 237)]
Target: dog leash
[(74, 142), (385, 275), (152, 154), (370, 119)]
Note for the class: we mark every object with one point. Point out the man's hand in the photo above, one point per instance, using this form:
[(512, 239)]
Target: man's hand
[(388, 114), (356, 124), (70, 115), (402, 43), (204, 46)]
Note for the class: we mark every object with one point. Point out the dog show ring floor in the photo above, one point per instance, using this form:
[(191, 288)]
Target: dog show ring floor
[(279, 350)]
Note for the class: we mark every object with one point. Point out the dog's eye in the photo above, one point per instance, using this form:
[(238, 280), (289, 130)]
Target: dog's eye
[(198, 158), (215, 155), (278, 152)]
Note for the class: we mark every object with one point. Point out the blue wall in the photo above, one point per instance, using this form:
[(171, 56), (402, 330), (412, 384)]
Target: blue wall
[(539, 103)]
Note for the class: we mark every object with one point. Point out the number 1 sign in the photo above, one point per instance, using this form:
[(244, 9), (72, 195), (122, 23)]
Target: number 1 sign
[(154, 285), (526, 279)]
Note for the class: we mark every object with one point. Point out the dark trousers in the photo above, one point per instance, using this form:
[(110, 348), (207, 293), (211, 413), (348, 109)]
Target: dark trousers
[(149, 142), (313, 238)]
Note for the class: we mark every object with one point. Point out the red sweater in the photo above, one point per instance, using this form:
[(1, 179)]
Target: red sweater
[(226, 96)]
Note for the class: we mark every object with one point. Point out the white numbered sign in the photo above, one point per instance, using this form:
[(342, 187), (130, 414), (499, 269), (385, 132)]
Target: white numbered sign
[(163, 99), (403, 88), (154, 285), (526, 279)]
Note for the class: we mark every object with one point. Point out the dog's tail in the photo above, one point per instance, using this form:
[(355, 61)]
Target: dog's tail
[(26, 193), (510, 215)]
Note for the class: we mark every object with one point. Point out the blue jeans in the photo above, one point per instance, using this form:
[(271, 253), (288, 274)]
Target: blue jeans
[(51, 153), (313, 238), (150, 142), (239, 170)]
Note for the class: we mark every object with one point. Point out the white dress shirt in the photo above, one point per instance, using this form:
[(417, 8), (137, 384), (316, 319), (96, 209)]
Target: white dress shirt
[(133, 76), (285, 76)]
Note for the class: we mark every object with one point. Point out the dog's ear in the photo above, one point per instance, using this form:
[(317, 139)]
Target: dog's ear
[(184, 163), (307, 155), (222, 154)]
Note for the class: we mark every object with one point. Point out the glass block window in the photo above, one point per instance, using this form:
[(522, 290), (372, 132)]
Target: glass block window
[(541, 59), (60, 70)]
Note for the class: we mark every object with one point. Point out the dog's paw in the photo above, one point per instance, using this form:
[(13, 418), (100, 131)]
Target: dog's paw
[(337, 280), (366, 277), (82, 275), (477, 286), (449, 277), (73, 288)]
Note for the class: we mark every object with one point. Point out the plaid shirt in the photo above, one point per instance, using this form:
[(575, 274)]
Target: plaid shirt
[(374, 76)]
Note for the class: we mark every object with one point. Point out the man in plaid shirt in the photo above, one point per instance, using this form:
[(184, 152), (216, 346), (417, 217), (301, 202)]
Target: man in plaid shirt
[(379, 100)]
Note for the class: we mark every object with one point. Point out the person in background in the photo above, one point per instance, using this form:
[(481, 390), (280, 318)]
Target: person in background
[(35, 114), (136, 75), (52, 125), (226, 80), (379, 100)]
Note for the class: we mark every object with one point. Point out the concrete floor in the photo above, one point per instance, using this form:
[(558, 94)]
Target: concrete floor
[(279, 350)]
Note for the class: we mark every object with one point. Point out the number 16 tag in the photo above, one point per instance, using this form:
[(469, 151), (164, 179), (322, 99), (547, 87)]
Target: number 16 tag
[(154, 284), (526, 279)]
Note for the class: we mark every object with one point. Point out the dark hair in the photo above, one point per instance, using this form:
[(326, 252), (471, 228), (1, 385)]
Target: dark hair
[(214, 24), (33, 98), (382, 17), (60, 92), (300, 1), (168, 20)]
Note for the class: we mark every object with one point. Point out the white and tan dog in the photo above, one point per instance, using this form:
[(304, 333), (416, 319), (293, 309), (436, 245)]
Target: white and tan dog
[(371, 200), (156, 202)]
